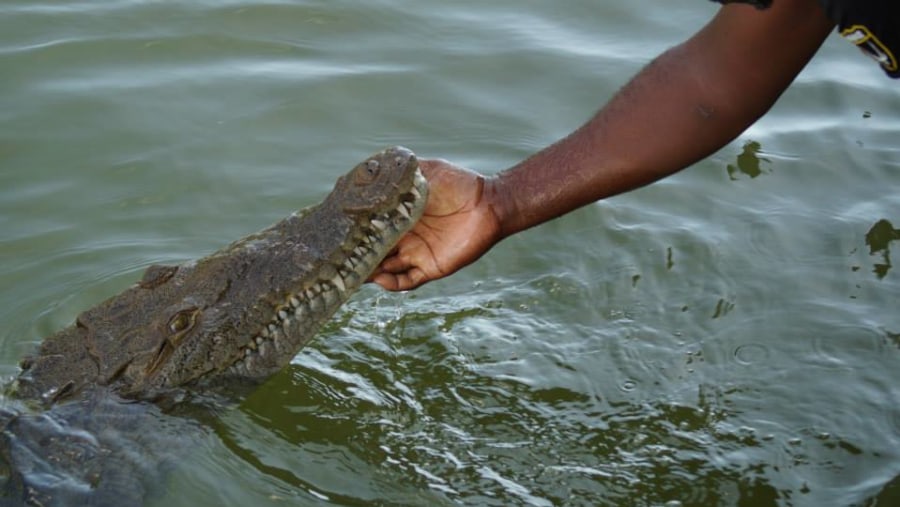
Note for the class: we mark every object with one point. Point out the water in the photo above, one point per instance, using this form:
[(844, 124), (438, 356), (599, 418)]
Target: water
[(728, 336)]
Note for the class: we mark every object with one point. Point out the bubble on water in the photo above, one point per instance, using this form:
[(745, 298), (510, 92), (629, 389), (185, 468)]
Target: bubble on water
[(628, 385), (751, 353)]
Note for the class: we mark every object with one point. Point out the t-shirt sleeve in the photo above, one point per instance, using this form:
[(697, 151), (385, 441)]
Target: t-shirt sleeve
[(759, 4)]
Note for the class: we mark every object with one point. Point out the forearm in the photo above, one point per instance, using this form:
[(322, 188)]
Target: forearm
[(685, 105)]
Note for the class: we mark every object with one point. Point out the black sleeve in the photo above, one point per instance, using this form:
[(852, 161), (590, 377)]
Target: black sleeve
[(759, 4)]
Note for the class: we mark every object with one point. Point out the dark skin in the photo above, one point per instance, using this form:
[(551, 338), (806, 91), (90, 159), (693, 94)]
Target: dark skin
[(702, 94)]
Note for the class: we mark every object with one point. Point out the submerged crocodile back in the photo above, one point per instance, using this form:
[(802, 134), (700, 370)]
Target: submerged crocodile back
[(99, 451)]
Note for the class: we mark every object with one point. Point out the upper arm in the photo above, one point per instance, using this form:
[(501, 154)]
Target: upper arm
[(752, 55)]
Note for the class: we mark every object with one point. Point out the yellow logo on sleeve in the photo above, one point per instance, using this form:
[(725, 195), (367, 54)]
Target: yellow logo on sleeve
[(866, 41)]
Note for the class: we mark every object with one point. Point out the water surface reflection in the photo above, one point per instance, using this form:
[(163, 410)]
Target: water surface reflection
[(878, 240)]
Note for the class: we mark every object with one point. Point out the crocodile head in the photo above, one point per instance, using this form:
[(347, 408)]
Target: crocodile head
[(242, 312)]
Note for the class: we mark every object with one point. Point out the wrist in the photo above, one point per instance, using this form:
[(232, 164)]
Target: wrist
[(500, 204)]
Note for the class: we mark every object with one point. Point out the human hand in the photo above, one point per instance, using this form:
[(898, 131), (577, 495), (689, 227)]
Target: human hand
[(457, 228)]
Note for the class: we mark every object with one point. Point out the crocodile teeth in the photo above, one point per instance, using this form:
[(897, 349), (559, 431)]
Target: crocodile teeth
[(416, 194), (401, 208), (282, 315), (294, 302), (331, 297), (419, 181), (339, 283), (378, 224)]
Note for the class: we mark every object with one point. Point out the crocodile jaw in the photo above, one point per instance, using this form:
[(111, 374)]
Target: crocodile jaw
[(302, 312)]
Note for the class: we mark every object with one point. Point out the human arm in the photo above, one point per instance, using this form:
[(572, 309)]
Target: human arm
[(685, 105)]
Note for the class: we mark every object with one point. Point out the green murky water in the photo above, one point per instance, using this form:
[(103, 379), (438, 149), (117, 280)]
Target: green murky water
[(729, 336)]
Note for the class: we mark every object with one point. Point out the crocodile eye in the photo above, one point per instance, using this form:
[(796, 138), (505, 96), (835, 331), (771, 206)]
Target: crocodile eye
[(182, 321)]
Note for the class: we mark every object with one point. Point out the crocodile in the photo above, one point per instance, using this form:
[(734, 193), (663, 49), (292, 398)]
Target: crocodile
[(220, 324)]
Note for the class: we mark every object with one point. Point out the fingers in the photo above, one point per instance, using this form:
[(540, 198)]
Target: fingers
[(407, 280), (409, 265), (396, 272), (394, 264)]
